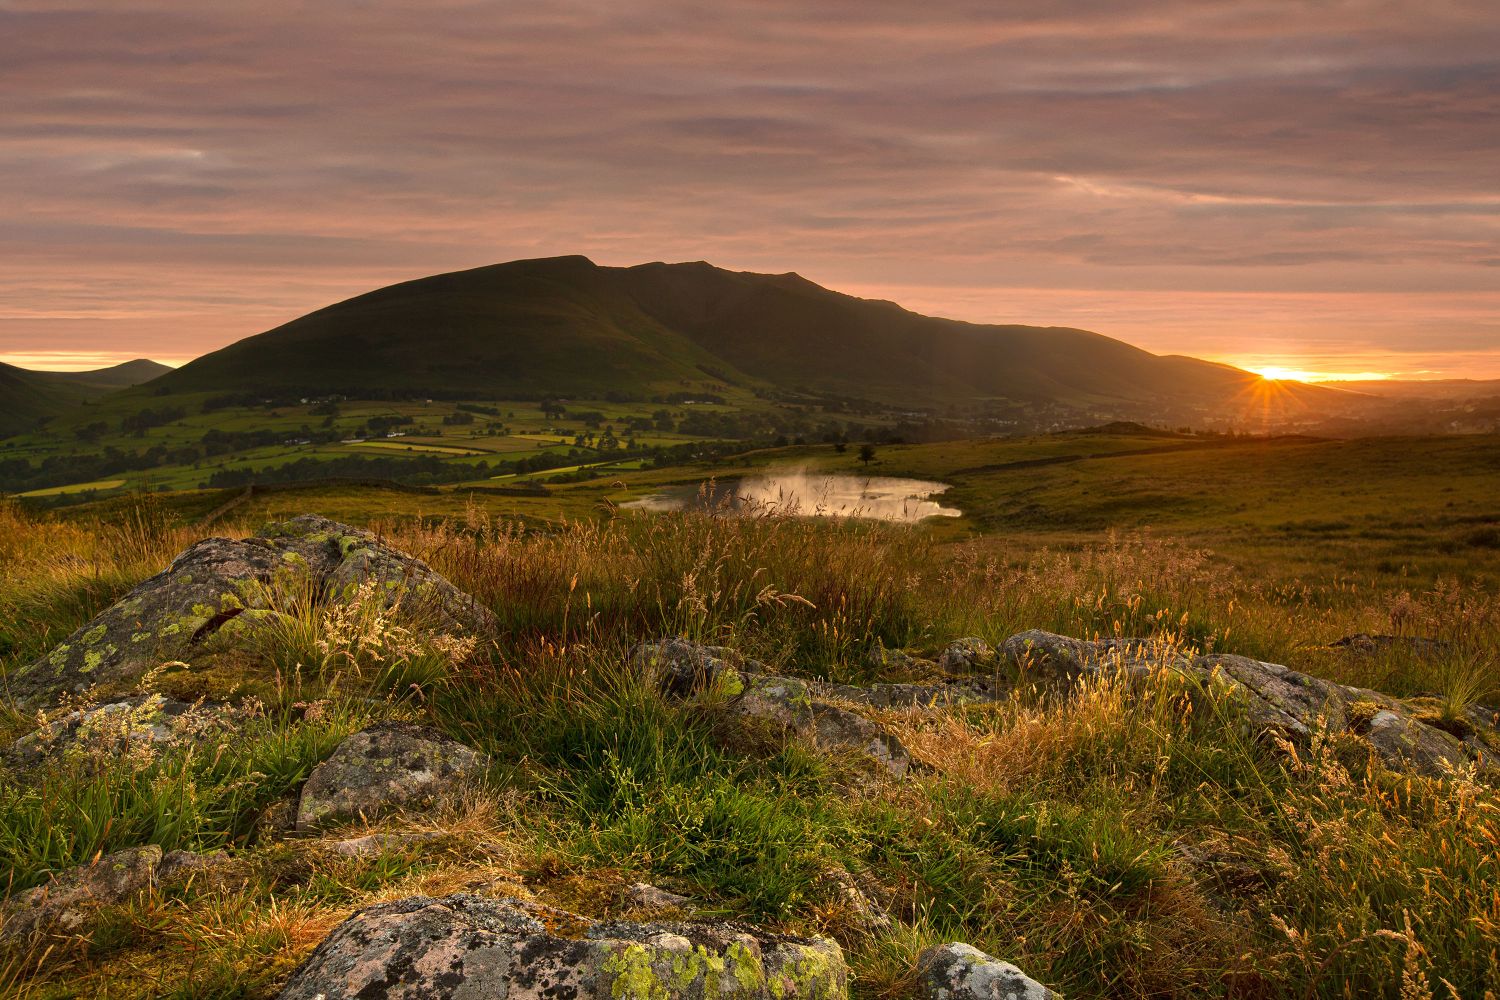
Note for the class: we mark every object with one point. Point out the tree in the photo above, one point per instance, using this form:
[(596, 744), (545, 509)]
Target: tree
[(840, 447), (867, 453)]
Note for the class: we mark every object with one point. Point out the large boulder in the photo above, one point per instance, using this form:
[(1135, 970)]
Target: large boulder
[(468, 946), (963, 972), (67, 902), (389, 766), (221, 582)]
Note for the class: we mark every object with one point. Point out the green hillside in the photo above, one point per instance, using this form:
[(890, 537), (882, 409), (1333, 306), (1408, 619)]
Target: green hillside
[(29, 397), (567, 326)]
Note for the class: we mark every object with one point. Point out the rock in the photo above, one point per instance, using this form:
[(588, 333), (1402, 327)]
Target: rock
[(1049, 658), (1045, 655), (467, 946), (649, 897), (785, 702), (66, 902), (966, 656), (963, 972), (1365, 644), (897, 661), (788, 703), (953, 692), (218, 580), (1404, 741), (838, 728), (391, 765), (860, 912), (374, 844), (179, 866), (1278, 698), (682, 668), (146, 720)]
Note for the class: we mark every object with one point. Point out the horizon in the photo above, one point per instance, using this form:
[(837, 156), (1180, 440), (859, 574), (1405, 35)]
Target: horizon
[(1285, 189)]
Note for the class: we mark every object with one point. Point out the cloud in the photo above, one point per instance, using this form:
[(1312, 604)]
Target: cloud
[(203, 170)]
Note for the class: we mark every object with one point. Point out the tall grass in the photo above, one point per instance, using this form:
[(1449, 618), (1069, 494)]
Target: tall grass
[(1118, 840)]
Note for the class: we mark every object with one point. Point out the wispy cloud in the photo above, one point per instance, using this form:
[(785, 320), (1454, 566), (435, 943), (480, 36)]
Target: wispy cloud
[(1201, 176)]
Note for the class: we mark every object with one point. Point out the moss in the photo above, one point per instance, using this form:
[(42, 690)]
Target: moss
[(140, 636), (59, 656), (92, 660), (96, 633)]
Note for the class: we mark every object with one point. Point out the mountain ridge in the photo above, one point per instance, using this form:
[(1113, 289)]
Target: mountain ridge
[(569, 327)]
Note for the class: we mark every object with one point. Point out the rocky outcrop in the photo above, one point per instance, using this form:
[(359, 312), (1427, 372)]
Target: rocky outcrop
[(67, 902), (222, 583), (963, 972), (392, 765), (467, 946), (1274, 697)]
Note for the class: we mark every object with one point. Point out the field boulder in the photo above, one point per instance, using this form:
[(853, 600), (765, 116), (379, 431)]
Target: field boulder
[(683, 669), (464, 946), (223, 584), (962, 972), (1275, 698), (66, 903), (389, 766)]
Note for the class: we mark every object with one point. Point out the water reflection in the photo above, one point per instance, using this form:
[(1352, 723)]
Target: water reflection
[(802, 494)]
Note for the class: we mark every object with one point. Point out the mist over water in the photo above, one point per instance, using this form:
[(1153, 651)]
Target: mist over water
[(802, 494)]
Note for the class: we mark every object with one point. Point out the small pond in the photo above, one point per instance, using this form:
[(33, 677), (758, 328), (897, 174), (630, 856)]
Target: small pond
[(804, 494)]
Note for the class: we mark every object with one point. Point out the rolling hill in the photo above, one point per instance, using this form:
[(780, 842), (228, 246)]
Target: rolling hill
[(28, 397), (569, 327)]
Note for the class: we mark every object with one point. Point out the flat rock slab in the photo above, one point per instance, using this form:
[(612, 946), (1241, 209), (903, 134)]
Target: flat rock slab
[(219, 581), (963, 972), (391, 765), (467, 947)]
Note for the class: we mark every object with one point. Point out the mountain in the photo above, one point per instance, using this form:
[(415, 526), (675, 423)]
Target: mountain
[(570, 327), (28, 397)]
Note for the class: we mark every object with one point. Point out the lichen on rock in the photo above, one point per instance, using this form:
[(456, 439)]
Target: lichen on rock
[(391, 765), (221, 583), (465, 945)]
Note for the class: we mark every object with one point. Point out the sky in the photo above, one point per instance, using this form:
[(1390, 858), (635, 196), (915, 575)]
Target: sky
[(1304, 186)]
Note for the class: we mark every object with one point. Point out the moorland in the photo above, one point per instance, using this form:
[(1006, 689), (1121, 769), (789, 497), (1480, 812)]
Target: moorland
[(1264, 768)]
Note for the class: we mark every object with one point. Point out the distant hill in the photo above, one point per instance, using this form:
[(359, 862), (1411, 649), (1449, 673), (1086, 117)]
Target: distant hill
[(28, 397), (569, 327), (1449, 389)]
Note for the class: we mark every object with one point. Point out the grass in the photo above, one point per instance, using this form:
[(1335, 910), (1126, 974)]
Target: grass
[(1111, 842), (98, 484)]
